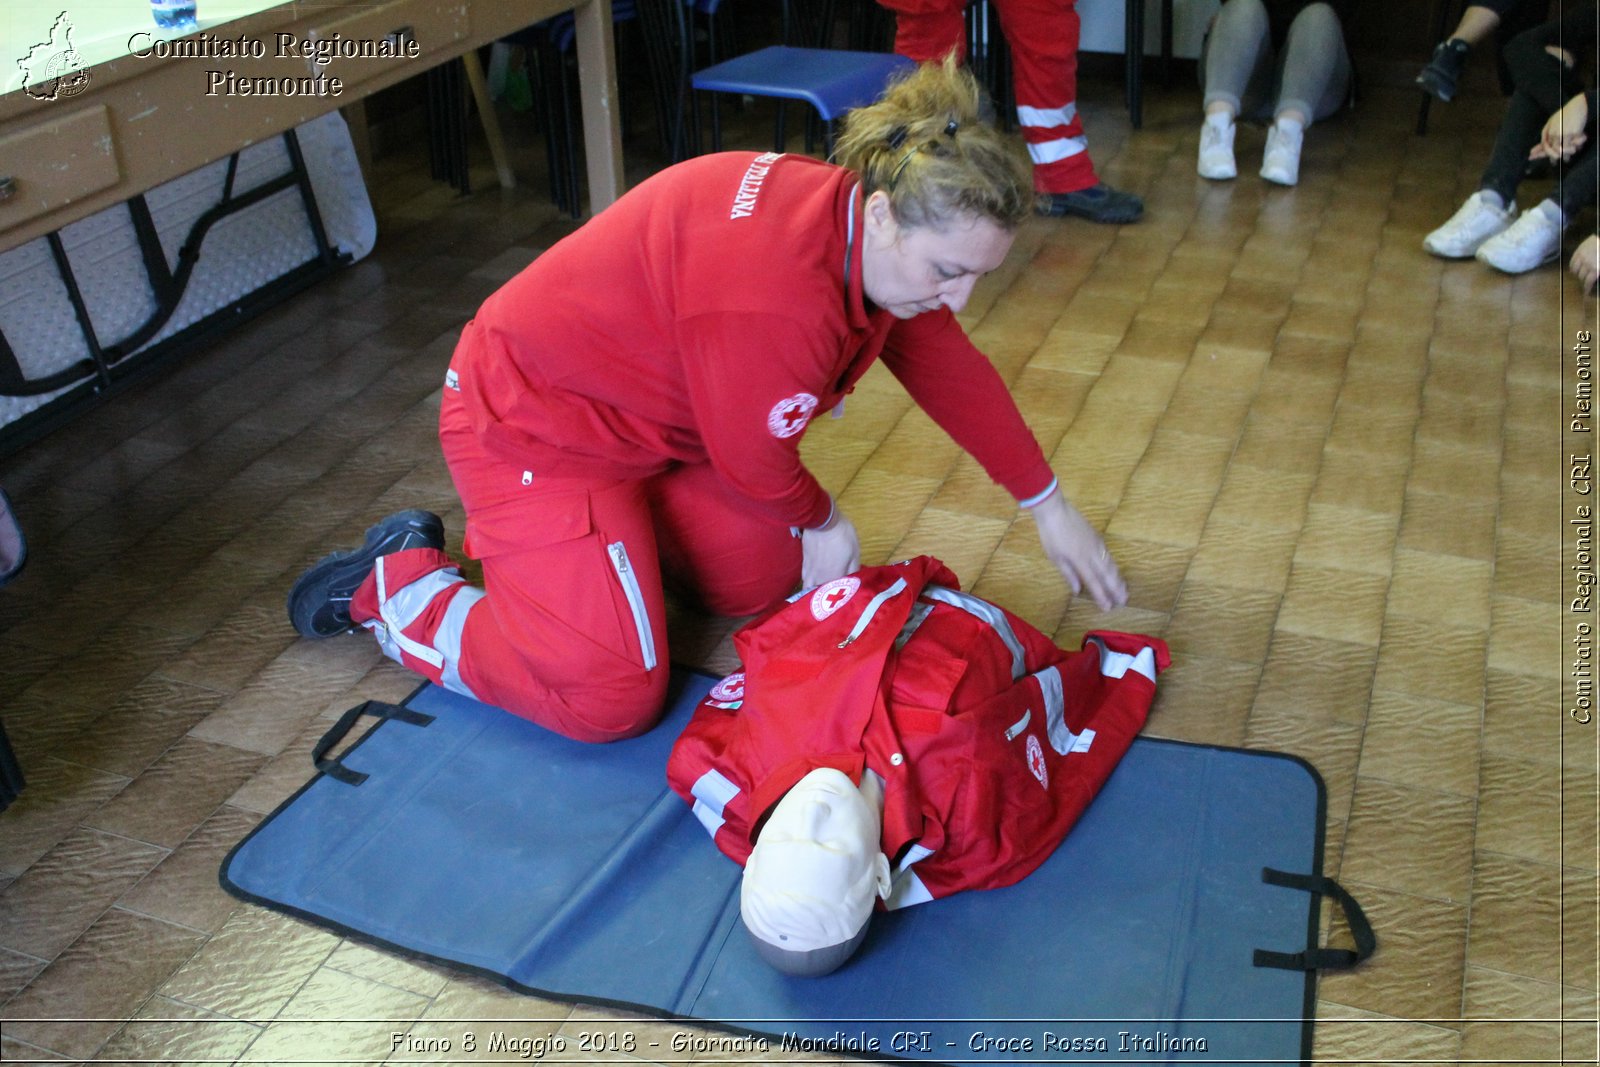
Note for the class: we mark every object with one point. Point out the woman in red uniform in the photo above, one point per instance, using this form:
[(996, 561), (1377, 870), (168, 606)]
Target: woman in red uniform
[(631, 406)]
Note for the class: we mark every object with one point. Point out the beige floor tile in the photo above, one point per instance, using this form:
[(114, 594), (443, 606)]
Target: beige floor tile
[(344, 1018), (1218, 622), (1440, 588), (1520, 808), (1371, 431), (1307, 400), (1362, 481), (78, 1001), (1275, 444), (1423, 742), (1349, 1035), (1317, 677), (1243, 556), (1418, 969), (963, 542), (177, 793), (183, 888), (61, 895), (1347, 539), (166, 1031), (1427, 658), (1271, 500), (1522, 637), (1334, 604), (1168, 514), (1331, 746), (1439, 467), (1203, 698), (252, 966), (1529, 568), (1410, 840), (1448, 524), (1516, 917)]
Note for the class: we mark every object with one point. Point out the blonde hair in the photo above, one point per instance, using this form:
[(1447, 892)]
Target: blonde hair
[(926, 143)]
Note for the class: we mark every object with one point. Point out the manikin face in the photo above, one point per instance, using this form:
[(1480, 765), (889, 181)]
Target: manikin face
[(909, 270), (816, 868)]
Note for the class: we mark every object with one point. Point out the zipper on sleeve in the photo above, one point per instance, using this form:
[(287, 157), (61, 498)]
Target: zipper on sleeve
[(631, 590)]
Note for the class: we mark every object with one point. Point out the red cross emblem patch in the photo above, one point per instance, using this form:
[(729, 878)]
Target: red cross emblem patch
[(1036, 761), (833, 596), (788, 417), (730, 689)]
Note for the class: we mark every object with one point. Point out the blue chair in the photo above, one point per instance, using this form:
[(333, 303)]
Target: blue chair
[(831, 80)]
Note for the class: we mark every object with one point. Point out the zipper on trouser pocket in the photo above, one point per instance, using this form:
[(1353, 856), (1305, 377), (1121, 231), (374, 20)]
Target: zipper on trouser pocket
[(630, 589)]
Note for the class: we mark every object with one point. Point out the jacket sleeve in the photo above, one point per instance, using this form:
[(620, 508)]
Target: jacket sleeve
[(961, 391), (754, 383)]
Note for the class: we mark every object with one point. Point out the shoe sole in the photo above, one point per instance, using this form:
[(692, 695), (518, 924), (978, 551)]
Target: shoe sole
[(1438, 92), (1545, 262), (337, 570)]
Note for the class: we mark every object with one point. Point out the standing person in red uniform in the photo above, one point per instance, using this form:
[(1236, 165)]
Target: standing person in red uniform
[(630, 407), (1043, 36)]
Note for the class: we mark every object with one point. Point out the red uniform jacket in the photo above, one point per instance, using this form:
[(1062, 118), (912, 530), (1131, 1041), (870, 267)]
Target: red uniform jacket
[(990, 740), (707, 316)]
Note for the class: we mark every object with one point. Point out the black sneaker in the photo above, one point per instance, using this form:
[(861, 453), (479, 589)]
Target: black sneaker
[(1098, 203), (319, 603), (1443, 71)]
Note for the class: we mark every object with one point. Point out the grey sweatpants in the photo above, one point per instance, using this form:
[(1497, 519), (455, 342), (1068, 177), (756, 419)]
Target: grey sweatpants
[(1311, 75)]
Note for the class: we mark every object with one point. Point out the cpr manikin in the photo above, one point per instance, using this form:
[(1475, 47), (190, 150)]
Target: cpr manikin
[(816, 872)]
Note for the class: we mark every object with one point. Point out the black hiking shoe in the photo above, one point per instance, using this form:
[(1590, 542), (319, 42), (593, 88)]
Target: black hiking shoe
[(1098, 203), (1443, 71), (319, 603)]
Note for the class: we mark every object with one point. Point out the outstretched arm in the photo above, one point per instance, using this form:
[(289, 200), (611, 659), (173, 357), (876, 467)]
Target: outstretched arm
[(1078, 552)]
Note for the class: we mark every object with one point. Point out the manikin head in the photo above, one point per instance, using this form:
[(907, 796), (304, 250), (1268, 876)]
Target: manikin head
[(815, 873)]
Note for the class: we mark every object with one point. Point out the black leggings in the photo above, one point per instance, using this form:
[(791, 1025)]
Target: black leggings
[(1542, 85)]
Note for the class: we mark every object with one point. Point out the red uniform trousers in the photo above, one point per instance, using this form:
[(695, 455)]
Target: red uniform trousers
[(1043, 36), (570, 628)]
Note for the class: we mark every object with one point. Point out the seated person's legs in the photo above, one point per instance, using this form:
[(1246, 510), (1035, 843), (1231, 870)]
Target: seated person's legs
[(1542, 85), (1534, 239), (1313, 83), (1477, 23), (1235, 72)]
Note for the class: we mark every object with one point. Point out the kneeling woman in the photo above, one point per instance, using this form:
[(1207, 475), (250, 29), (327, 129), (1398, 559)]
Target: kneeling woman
[(631, 406)]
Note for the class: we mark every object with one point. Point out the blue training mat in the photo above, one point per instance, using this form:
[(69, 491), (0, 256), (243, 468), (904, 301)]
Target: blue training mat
[(459, 833)]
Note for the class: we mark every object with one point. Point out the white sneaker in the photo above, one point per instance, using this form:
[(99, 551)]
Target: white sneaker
[(1281, 163), (1532, 241), (1216, 152), (1473, 223)]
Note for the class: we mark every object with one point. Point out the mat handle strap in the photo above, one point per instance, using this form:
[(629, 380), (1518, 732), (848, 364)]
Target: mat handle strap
[(336, 769), (1314, 959)]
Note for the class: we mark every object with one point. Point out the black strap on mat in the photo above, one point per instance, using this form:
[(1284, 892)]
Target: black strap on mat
[(1313, 958), (333, 767)]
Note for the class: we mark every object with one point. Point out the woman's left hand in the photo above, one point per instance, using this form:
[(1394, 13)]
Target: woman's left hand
[(1564, 132), (1078, 552)]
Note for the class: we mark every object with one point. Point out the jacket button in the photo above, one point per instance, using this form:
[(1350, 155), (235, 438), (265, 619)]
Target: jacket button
[(897, 759)]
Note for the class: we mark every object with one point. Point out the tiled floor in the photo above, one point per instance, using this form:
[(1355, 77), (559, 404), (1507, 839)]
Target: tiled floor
[(1332, 467)]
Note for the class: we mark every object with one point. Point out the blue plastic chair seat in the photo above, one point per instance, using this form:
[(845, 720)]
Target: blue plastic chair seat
[(831, 80)]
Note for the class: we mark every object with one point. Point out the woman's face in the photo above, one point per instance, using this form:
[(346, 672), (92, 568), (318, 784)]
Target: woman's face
[(909, 270)]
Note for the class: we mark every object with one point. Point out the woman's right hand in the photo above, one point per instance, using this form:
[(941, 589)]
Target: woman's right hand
[(830, 553), (1564, 132), (1585, 262)]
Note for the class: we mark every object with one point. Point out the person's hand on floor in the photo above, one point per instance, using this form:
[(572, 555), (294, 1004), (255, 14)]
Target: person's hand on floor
[(1585, 263), (829, 553), (1078, 552)]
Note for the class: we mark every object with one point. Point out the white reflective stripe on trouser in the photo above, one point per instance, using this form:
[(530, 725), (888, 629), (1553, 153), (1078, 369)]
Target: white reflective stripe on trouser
[(712, 791), (636, 605), (1057, 150), (1046, 117), (1062, 739), (404, 606), (1117, 664), (982, 609)]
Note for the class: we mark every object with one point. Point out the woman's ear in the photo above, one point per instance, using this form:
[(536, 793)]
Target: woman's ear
[(878, 218)]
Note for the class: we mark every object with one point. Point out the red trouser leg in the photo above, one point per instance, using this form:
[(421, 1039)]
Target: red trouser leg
[(715, 550), (1043, 35), (570, 628)]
